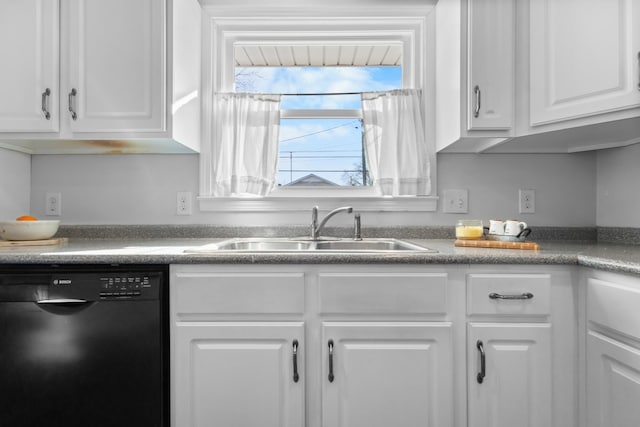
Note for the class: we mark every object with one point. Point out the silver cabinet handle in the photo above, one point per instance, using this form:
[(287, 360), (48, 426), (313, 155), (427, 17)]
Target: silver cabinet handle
[(478, 95), (45, 103), (639, 70), (331, 377), (525, 295), (483, 363), (296, 377), (72, 96)]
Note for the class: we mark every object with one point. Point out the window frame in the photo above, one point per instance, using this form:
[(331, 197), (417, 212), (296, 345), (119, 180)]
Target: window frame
[(412, 31)]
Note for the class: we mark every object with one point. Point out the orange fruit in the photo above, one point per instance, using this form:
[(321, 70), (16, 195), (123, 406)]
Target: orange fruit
[(26, 218)]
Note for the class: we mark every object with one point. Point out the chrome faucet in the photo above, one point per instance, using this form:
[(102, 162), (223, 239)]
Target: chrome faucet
[(357, 227), (316, 228)]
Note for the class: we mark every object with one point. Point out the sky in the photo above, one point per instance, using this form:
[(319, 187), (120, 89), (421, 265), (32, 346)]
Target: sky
[(318, 145)]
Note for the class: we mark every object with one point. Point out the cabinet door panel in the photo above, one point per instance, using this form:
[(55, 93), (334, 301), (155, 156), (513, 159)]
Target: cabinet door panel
[(516, 388), (29, 52), (116, 63), (387, 374), (613, 383), (238, 374), (491, 64), (584, 58)]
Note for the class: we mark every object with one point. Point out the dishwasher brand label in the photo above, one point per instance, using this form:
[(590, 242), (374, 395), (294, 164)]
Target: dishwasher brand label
[(61, 281)]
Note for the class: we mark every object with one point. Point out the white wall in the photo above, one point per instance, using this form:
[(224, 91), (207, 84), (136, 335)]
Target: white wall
[(618, 192), (141, 189), (564, 183), (15, 184)]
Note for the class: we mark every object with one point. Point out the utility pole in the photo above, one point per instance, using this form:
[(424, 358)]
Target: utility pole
[(364, 157)]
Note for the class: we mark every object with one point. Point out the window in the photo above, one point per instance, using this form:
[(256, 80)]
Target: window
[(321, 141), (261, 37)]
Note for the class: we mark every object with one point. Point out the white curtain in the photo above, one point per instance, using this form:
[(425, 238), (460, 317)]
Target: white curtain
[(397, 152), (244, 146)]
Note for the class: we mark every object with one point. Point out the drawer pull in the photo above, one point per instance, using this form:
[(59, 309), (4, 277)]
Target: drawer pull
[(483, 363), (331, 377), (526, 295), (296, 377)]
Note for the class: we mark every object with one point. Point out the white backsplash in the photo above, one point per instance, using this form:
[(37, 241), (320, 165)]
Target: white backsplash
[(141, 189), (618, 196), (15, 184)]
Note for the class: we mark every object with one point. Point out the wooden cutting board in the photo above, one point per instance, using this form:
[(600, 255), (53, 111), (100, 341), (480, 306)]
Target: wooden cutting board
[(497, 244), (47, 242)]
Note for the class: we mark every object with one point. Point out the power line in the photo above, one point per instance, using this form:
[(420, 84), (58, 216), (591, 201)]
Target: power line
[(318, 132)]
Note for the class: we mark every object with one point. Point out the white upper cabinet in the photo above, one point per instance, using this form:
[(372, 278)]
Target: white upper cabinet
[(584, 58), (491, 47), (29, 71), (475, 50), (114, 75), (540, 76), (123, 76)]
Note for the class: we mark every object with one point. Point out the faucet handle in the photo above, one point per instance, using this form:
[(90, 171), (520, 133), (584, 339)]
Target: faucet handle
[(357, 227)]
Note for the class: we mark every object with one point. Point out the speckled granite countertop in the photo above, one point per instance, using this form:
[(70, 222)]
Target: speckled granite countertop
[(605, 256)]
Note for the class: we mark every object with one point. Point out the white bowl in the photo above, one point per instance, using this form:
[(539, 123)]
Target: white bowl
[(28, 230)]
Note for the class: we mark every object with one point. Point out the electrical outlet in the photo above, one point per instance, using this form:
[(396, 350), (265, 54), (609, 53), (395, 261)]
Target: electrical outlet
[(183, 200), (53, 204), (455, 201), (527, 201)]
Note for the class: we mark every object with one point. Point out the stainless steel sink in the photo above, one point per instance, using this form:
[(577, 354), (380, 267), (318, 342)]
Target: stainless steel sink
[(369, 245), (262, 245), (301, 245)]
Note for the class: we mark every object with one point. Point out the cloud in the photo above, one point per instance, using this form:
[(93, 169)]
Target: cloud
[(318, 80)]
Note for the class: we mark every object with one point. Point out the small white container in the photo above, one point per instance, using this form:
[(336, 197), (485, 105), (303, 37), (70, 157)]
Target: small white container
[(28, 230)]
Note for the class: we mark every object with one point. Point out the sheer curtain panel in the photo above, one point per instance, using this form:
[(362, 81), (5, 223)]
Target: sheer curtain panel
[(244, 145), (396, 149)]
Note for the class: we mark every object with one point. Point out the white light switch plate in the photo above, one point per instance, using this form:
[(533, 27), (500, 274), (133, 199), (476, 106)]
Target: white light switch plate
[(455, 201)]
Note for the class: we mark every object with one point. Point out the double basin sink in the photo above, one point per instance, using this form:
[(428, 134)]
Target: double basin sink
[(267, 244)]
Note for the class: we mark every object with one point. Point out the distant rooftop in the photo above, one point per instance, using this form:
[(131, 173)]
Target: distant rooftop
[(311, 180)]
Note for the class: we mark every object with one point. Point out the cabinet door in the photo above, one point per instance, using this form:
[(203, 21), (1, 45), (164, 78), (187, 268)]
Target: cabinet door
[(238, 374), (387, 374), (516, 387), (584, 58), (491, 52), (613, 382), (115, 78), (29, 54)]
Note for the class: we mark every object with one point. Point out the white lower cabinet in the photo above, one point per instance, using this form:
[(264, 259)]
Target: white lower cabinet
[(509, 375), (613, 350), (239, 374), (613, 383), (386, 374), (375, 346), (309, 346)]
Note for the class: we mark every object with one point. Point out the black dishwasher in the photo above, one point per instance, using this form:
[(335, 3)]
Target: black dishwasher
[(84, 345)]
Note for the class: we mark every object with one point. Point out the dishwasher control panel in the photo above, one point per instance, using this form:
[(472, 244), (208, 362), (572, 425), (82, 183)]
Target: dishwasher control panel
[(123, 286), (106, 286)]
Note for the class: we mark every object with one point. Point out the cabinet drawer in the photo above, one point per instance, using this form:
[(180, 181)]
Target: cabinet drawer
[(247, 293), (614, 305), (362, 293), (509, 294)]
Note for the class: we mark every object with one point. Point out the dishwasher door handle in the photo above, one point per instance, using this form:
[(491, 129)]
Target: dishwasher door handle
[(61, 301)]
